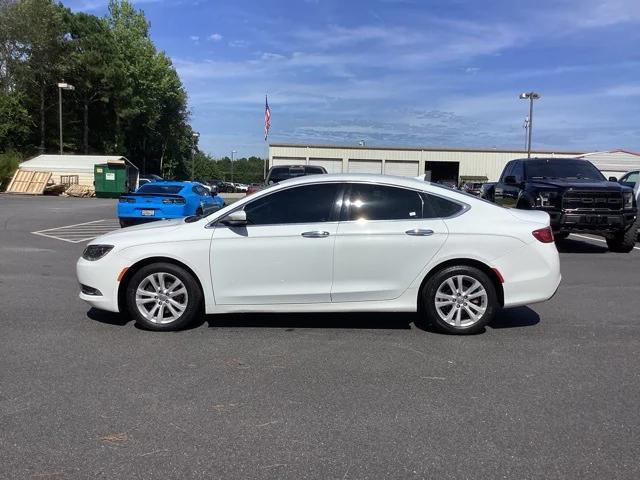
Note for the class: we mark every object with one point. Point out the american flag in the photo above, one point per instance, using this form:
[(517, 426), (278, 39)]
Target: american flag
[(267, 118)]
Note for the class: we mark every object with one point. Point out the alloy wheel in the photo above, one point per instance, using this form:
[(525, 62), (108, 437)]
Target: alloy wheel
[(461, 300), (161, 298)]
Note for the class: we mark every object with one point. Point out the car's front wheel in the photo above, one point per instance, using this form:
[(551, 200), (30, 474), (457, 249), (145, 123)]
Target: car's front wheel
[(163, 296), (460, 299)]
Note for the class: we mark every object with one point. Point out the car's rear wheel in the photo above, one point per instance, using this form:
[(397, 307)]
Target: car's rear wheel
[(623, 242), (163, 296), (460, 299)]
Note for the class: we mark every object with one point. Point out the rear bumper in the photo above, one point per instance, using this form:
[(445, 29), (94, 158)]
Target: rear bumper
[(531, 274)]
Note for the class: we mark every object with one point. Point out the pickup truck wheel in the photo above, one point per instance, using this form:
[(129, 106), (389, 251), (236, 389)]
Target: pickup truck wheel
[(460, 300), (623, 242), (163, 296)]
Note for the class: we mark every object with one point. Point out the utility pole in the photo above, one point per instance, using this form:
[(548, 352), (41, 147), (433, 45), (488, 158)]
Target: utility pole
[(62, 86), (194, 137)]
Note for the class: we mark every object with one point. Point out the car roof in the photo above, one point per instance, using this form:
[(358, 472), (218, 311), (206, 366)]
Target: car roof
[(392, 180)]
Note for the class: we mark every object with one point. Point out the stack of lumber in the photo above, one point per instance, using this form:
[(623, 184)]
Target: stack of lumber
[(79, 191)]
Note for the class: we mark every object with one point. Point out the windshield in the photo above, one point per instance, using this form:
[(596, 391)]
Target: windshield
[(159, 188), (569, 168)]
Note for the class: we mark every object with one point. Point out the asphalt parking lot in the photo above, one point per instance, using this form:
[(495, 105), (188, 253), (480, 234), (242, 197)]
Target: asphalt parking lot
[(550, 391)]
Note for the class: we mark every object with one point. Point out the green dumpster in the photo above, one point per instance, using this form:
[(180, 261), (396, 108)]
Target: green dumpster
[(111, 179)]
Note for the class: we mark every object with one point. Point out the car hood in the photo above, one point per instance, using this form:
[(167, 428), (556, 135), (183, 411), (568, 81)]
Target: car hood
[(152, 229), (577, 184)]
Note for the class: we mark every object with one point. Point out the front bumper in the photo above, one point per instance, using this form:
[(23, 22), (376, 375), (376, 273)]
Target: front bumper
[(590, 222), (101, 276)]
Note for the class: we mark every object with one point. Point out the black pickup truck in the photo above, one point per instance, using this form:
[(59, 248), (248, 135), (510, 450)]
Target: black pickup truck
[(574, 193)]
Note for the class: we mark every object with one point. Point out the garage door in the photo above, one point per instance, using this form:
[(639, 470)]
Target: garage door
[(278, 161), (332, 165), (365, 166), (402, 169)]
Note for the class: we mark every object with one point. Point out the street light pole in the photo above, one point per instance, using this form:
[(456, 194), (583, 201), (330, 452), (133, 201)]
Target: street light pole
[(531, 96), (525, 125), (62, 86), (194, 136)]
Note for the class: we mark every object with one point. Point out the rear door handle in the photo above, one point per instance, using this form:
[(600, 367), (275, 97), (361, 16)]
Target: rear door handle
[(315, 234), (419, 232)]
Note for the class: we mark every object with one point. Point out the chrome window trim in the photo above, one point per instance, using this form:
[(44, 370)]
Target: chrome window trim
[(465, 206)]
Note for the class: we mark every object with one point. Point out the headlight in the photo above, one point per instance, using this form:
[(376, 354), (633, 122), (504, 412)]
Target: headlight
[(96, 252), (628, 199), (545, 199)]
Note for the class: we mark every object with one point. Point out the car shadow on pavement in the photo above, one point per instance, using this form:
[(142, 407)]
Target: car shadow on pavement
[(110, 318), (508, 318), (291, 321), (515, 317), (570, 245)]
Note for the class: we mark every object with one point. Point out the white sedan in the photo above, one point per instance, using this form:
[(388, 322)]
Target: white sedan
[(329, 243)]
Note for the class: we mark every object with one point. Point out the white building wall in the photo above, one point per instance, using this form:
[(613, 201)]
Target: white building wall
[(614, 163), (472, 162)]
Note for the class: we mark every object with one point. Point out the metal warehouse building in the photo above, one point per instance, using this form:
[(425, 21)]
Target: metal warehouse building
[(447, 163)]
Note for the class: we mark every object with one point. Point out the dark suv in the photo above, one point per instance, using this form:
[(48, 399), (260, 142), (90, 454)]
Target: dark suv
[(574, 193)]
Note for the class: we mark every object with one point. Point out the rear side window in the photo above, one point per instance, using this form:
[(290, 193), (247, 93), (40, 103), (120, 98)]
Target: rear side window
[(438, 207), (507, 171), (158, 188), (379, 202), (304, 204)]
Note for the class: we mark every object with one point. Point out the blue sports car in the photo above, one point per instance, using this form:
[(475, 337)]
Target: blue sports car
[(166, 199)]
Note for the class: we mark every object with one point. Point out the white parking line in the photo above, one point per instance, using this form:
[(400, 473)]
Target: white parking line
[(595, 239), (80, 232)]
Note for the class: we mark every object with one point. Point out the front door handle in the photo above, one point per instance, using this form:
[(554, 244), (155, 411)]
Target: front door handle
[(315, 234), (419, 232)]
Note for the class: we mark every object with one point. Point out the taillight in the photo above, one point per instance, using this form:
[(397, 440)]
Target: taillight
[(544, 235), (179, 201)]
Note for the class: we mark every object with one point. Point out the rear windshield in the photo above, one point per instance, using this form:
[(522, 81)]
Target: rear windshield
[(569, 168), (160, 189), (278, 174)]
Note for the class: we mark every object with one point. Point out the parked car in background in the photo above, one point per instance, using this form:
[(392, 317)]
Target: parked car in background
[(149, 178), (574, 193), (329, 243), (473, 188), (160, 200), (284, 172), (632, 180)]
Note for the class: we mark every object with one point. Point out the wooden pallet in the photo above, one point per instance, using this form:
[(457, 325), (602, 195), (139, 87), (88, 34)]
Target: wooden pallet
[(29, 182)]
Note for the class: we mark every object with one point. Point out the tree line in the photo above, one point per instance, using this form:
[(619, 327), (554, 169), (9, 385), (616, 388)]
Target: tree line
[(128, 98)]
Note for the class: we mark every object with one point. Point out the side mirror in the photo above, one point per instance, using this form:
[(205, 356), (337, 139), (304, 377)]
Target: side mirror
[(613, 179), (214, 190), (510, 180), (235, 219)]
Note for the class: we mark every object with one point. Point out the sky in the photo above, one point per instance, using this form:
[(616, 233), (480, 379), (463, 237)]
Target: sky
[(403, 72)]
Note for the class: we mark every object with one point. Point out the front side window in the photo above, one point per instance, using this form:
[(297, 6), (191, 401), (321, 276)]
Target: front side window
[(380, 202), (507, 171), (631, 177), (518, 171), (303, 204)]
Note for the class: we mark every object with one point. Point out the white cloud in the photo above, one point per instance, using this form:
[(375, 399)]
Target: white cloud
[(215, 37)]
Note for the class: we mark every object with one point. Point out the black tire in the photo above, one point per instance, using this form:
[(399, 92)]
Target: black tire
[(192, 300), (623, 242), (124, 224), (437, 280)]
